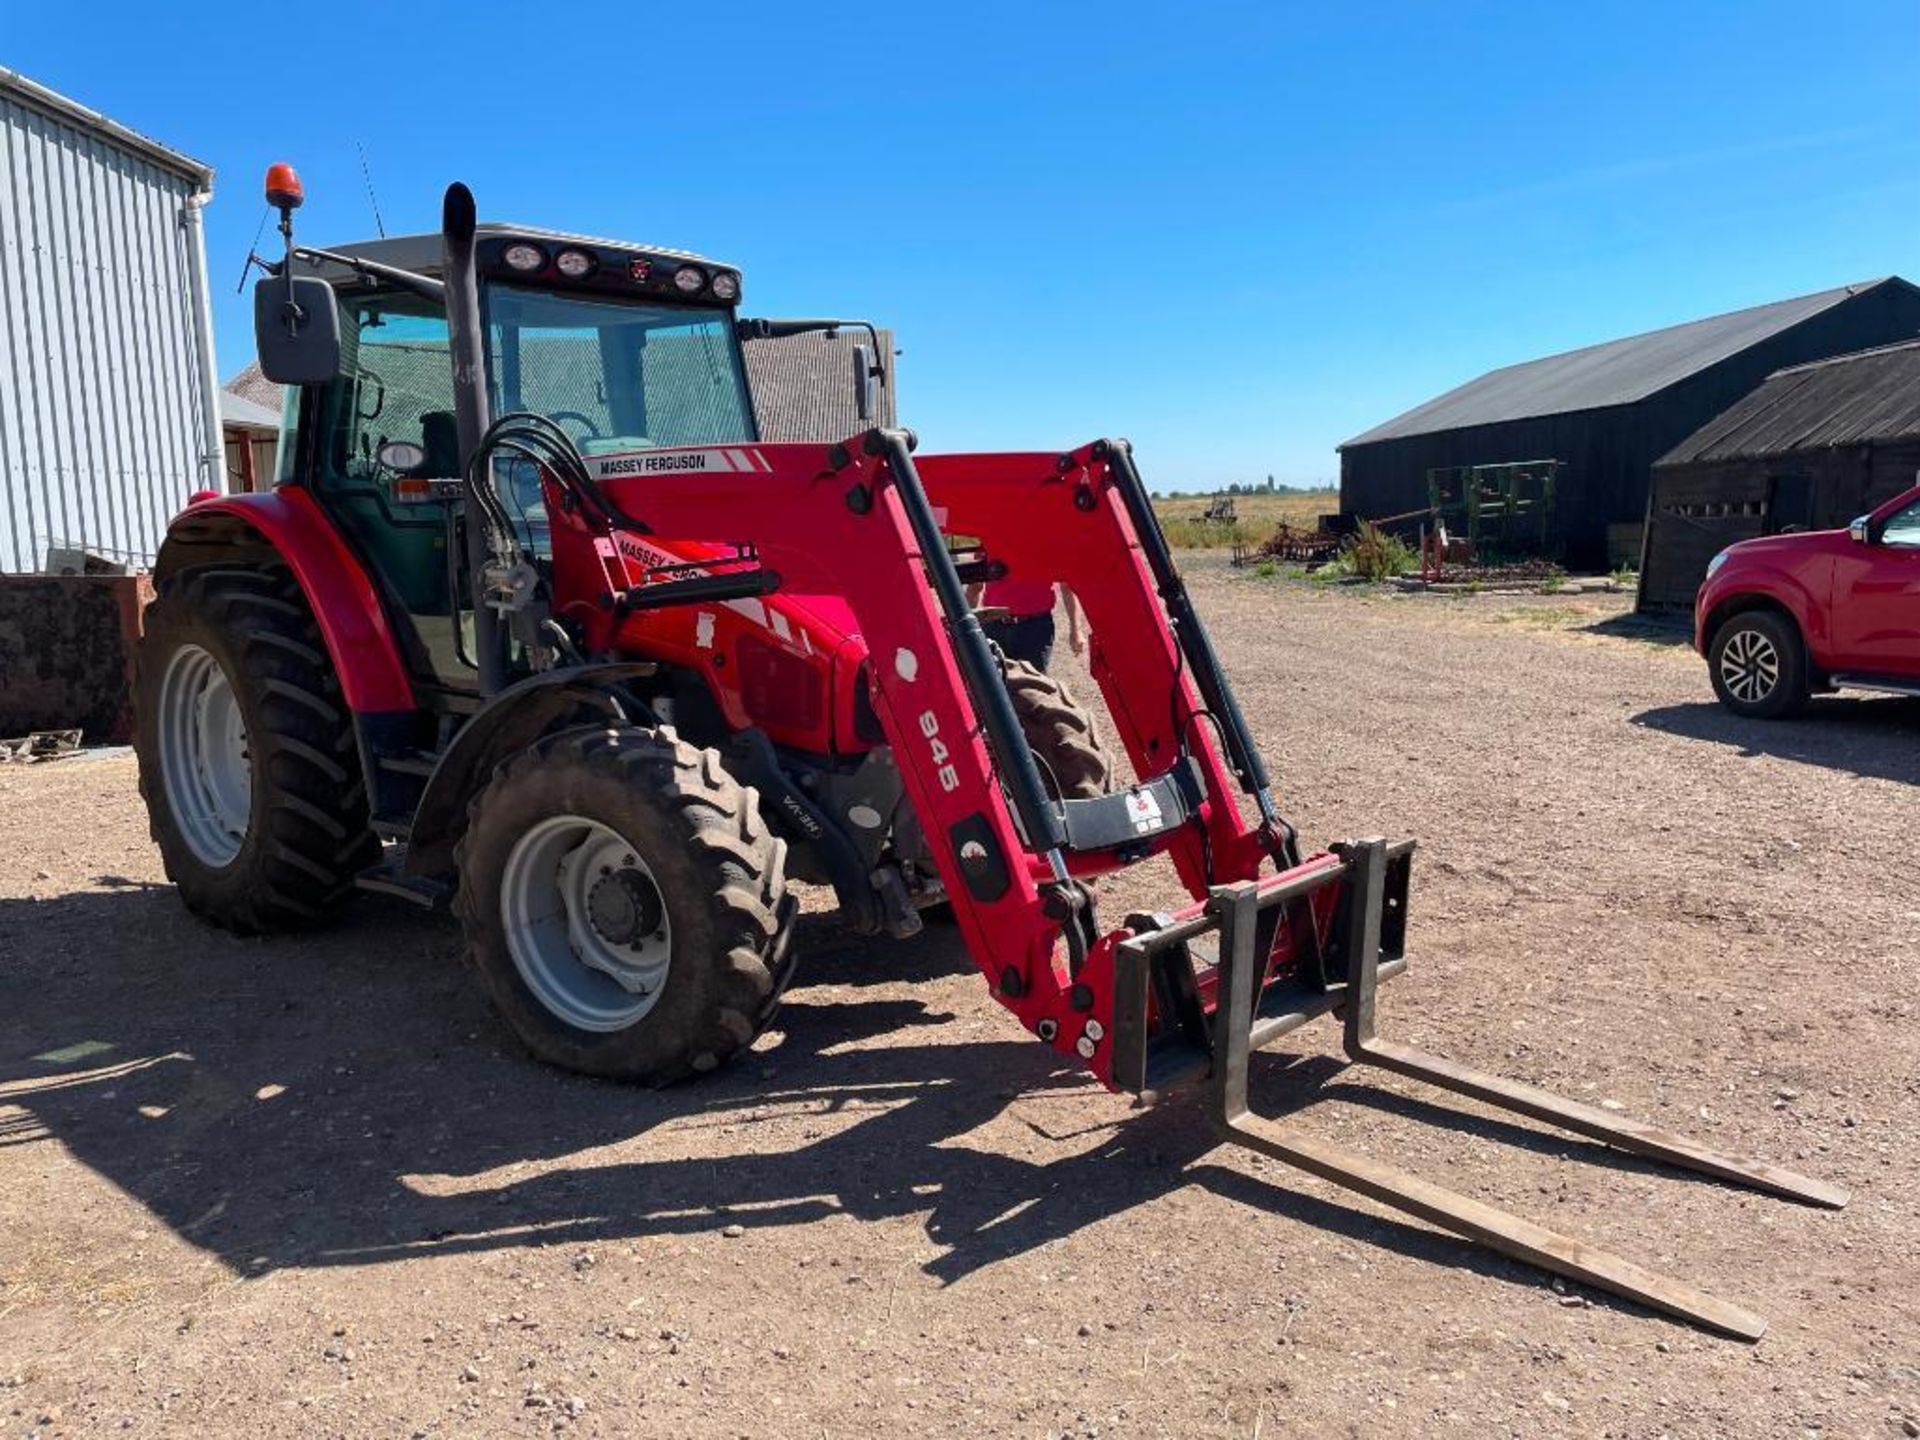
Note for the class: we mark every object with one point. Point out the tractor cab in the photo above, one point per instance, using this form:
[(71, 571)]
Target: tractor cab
[(626, 349), (637, 355)]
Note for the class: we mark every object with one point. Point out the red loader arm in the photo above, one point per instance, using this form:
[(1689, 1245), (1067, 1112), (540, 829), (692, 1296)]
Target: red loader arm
[(862, 522)]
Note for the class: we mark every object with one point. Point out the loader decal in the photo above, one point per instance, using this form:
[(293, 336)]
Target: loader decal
[(679, 462), (944, 771)]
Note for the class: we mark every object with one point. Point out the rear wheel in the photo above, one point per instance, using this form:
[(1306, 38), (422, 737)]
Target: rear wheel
[(248, 762), (625, 904), (1058, 731), (1759, 665)]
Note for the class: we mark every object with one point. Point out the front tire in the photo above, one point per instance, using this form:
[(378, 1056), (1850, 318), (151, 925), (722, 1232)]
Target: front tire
[(248, 761), (1759, 665), (625, 904)]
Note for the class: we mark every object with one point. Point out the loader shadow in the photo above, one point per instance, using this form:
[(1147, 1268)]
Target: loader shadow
[(1875, 737), (344, 1098)]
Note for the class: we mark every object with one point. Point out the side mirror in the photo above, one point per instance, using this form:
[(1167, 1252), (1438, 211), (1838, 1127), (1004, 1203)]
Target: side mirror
[(1861, 531), (863, 382), (296, 328)]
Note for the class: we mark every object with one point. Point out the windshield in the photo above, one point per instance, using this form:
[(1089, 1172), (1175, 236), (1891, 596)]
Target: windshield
[(617, 376)]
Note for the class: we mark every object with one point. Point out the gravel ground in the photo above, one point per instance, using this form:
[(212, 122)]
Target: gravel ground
[(307, 1186)]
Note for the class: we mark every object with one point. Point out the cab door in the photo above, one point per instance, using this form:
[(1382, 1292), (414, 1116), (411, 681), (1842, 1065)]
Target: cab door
[(1876, 597)]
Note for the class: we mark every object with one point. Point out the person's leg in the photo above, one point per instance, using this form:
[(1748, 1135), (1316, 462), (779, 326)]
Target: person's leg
[(1029, 638)]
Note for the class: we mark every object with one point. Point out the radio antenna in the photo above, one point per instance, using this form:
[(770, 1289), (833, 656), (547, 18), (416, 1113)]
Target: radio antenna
[(372, 199)]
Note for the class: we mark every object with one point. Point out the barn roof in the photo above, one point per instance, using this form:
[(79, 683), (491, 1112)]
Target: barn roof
[(236, 409), (1618, 372), (1872, 395)]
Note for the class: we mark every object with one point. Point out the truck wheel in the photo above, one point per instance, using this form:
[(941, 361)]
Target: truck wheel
[(625, 904), (1059, 732), (248, 762), (1759, 665)]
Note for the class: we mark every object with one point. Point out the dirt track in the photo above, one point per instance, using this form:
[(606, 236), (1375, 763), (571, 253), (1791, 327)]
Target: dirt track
[(308, 1187)]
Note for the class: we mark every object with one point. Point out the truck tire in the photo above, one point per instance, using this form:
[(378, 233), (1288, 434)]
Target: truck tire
[(1759, 665), (1059, 732), (248, 761), (625, 904)]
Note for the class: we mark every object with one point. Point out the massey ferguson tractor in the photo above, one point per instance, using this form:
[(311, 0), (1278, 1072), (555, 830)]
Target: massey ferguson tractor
[(536, 626)]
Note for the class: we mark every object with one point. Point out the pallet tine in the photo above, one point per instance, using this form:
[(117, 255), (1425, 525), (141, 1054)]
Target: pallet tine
[(1227, 1095), (1366, 880)]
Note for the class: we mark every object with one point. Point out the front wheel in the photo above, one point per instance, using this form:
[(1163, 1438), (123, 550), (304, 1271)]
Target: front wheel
[(1759, 665), (625, 904)]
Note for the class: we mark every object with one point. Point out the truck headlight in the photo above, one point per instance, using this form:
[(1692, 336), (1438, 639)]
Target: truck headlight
[(1716, 562)]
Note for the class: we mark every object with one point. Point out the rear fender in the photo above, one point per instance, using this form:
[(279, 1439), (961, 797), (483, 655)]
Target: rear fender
[(362, 645), (513, 720)]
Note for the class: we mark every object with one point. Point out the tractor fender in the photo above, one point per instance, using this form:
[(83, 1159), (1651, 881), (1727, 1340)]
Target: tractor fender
[(230, 529), (511, 721)]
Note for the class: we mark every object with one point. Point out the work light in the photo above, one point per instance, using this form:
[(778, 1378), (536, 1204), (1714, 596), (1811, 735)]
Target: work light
[(522, 256), (688, 279)]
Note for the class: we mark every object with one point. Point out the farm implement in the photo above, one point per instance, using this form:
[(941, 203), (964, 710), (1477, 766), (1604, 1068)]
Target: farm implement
[(540, 627)]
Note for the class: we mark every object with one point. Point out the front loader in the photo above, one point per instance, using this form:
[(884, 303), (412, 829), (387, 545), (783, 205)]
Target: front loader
[(539, 626)]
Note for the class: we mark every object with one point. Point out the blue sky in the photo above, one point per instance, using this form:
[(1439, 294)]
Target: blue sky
[(1237, 234)]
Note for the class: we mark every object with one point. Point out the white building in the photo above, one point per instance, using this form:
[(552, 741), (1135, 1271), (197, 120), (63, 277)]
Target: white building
[(109, 409)]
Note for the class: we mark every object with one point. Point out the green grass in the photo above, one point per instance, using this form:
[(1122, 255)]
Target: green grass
[(1254, 518)]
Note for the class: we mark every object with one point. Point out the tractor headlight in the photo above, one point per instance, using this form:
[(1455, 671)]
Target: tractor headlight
[(574, 264), (523, 257), (688, 279), (726, 287), (1716, 562)]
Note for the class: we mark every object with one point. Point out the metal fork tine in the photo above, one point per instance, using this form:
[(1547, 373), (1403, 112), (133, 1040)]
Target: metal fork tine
[(1363, 1045), (1508, 1234), (1616, 1130), (1238, 978)]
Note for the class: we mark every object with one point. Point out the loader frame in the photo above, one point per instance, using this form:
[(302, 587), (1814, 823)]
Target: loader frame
[(1144, 1007)]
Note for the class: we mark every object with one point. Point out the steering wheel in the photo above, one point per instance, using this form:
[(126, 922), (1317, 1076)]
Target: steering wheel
[(593, 430)]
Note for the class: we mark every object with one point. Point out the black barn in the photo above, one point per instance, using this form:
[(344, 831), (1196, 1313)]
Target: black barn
[(1607, 412), (1812, 448)]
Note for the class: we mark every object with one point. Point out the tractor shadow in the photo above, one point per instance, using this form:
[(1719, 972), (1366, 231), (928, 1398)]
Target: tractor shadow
[(1874, 737), (345, 1098)]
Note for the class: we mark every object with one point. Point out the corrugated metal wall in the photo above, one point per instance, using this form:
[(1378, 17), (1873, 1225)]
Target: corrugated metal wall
[(101, 371)]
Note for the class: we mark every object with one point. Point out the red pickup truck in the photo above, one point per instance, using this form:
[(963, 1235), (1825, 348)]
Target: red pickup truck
[(1782, 616)]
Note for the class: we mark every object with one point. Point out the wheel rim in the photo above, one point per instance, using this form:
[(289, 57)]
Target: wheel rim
[(206, 764), (585, 923), (1750, 666)]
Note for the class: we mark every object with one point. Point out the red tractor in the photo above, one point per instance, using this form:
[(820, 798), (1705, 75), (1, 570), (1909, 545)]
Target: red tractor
[(536, 625)]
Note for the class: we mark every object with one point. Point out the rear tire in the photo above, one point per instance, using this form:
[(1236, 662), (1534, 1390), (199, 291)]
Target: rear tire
[(1759, 665), (625, 904), (248, 761), (1058, 731)]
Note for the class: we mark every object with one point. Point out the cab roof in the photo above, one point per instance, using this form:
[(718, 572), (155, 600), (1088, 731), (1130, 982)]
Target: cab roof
[(421, 253)]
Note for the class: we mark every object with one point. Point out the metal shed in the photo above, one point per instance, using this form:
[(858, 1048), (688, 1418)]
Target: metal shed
[(109, 414), (1812, 448), (1605, 413)]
